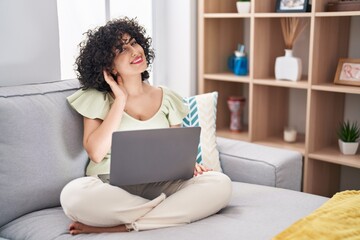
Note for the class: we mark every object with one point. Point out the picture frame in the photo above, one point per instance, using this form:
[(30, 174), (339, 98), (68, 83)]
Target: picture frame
[(348, 72), (291, 5)]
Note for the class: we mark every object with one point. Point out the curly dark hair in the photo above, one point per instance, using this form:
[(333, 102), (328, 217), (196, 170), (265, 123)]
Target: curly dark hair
[(97, 52)]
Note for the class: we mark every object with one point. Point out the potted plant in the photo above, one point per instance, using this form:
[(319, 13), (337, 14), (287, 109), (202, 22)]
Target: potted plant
[(243, 6), (348, 134)]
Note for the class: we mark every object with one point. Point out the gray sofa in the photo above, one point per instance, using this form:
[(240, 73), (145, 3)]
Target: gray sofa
[(41, 150)]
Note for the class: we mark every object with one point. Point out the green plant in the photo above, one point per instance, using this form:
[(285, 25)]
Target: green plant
[(349, 132), (243, 0)]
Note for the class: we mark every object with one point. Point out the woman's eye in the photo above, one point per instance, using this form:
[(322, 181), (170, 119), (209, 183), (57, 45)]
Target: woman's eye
[(122, 50), (134, 43), (118, 49)]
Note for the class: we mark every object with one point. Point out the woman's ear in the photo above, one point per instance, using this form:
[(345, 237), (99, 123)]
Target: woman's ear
[(114, 73)]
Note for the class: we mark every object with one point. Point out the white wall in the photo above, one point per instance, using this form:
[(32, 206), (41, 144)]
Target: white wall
[(175, 45), (75, 18), (29, 43)]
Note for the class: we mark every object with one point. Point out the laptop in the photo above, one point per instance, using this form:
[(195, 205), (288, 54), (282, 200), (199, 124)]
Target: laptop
[(153, 155)]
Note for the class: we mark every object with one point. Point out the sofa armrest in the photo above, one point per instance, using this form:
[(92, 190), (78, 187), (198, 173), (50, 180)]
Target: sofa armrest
[(258, 164)]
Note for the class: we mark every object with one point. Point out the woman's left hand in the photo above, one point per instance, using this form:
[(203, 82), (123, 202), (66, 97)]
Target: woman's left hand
[(200, 169)]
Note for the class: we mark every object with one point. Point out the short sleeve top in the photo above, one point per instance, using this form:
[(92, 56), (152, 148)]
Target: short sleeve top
[(94, 104)]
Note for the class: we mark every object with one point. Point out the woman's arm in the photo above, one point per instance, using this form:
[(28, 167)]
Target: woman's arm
[(98, 133)]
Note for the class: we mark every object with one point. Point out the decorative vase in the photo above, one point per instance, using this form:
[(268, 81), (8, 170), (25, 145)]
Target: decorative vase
[(243, 7), (288, 67), (236, 107), (348, 148)]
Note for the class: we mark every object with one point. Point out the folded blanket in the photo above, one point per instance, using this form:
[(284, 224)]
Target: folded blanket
[(338, 218)]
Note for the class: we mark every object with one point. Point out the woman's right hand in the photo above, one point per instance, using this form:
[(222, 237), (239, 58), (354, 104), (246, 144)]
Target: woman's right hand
[(117, 86)]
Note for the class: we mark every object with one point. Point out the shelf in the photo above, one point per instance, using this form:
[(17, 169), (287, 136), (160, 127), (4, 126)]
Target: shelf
[(281, 15), (333, 155), (303, 84), (278, 142), (337, 14), (314, 105), (330, 87), (228, 77), (226, 133), (227, 15)]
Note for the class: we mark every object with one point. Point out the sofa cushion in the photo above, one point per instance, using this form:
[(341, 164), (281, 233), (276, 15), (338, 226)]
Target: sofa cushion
[(40, 146), (255, 212), (203, 113), (243, 161)]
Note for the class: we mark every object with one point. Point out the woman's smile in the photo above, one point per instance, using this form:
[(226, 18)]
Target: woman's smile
[(137, 60)]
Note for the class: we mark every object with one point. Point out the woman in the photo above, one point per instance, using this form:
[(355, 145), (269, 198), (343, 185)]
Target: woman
[(112, 69)]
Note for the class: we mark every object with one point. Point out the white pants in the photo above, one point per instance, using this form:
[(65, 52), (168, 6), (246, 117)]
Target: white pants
[(90, 201)]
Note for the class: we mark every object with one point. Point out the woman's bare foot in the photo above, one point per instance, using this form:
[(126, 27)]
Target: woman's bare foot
[(78, 228)]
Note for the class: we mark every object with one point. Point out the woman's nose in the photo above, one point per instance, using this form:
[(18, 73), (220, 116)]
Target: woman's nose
[(133, 51)]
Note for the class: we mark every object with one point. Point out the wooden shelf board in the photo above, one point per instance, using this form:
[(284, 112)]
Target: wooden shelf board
[(330, 87), (281, 15), (333, 155), (227, 15), (337, 14), (303, 84), (278, 142), (230, 77), (226, 133)]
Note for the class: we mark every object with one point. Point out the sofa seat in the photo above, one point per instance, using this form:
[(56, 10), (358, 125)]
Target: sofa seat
[(255, 212)]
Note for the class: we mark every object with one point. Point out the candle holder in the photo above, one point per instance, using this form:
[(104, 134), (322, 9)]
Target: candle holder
[(290, 134)]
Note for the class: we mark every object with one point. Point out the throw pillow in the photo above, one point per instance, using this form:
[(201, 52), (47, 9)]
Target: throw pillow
[(203, 113)]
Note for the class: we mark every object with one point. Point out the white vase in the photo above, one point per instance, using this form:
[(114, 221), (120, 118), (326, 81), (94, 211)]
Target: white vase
[(348, 148), (243, 7), (288, 67)]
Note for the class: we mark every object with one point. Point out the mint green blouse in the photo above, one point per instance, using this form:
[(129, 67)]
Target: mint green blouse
[(94, 104)]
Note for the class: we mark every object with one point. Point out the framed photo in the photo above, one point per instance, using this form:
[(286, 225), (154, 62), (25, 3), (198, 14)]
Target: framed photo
[(291, 5), (348, 72)]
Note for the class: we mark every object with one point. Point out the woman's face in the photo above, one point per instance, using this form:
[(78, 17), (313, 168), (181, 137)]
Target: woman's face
[(130, 60)]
